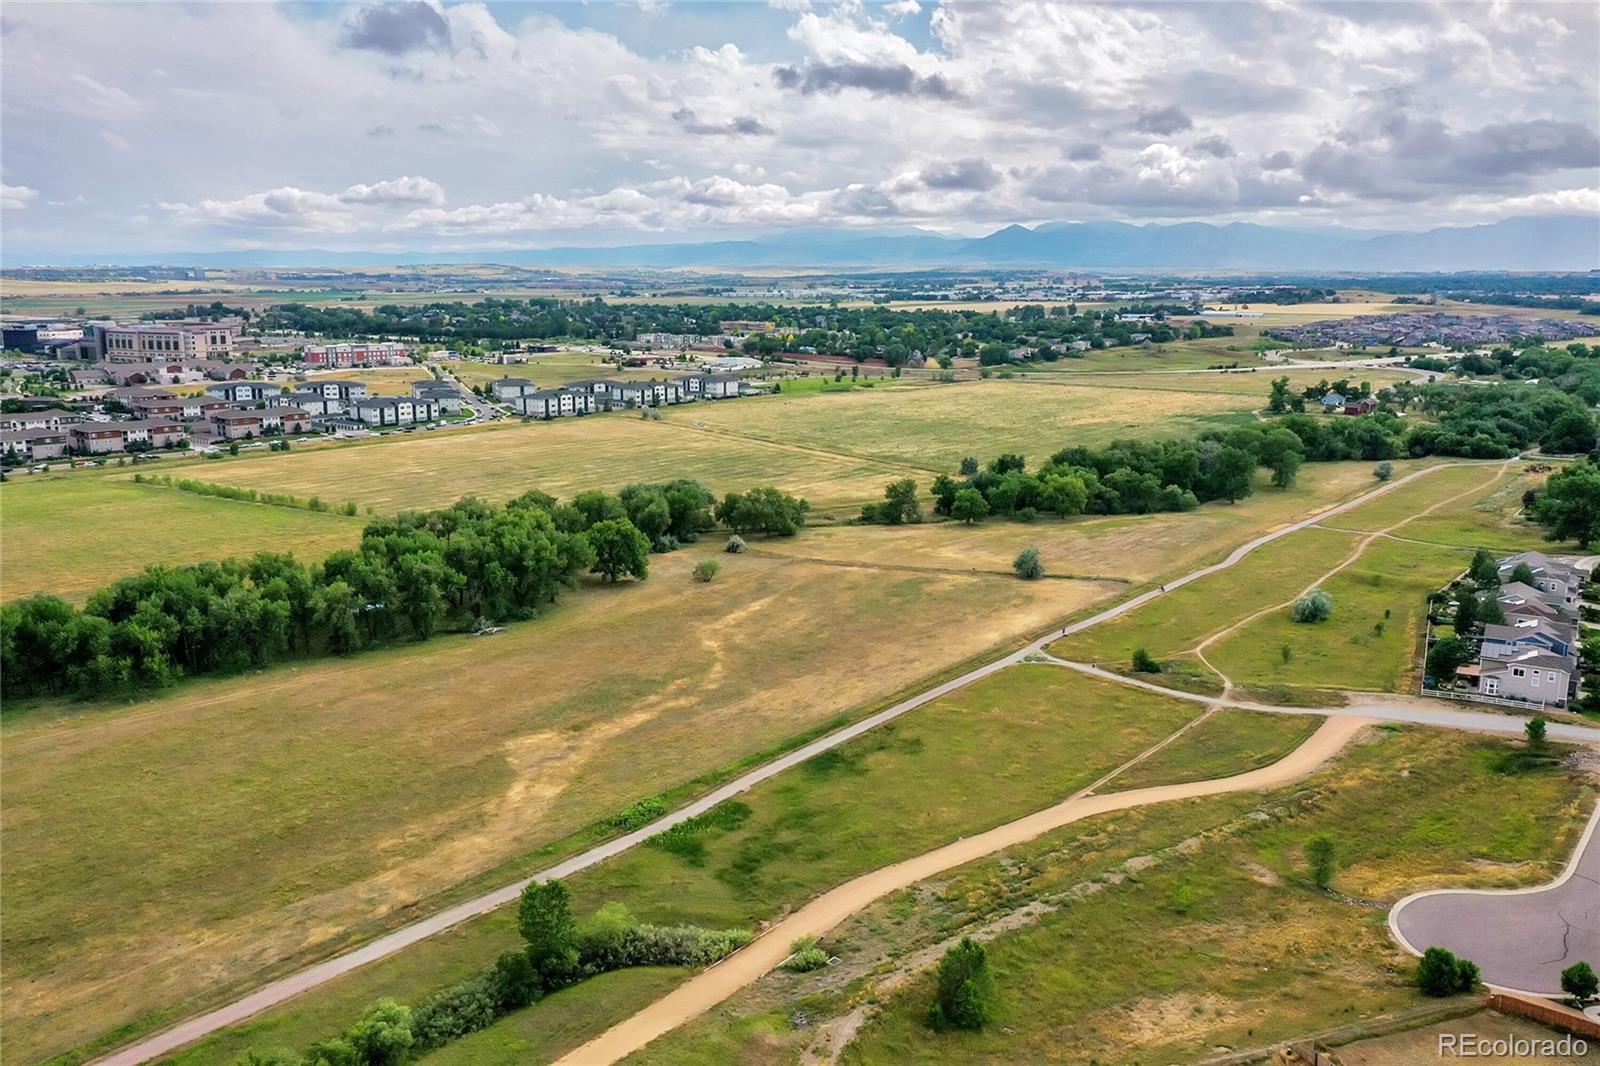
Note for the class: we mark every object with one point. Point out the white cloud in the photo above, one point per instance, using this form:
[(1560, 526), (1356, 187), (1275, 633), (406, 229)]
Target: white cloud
[(17, 197)]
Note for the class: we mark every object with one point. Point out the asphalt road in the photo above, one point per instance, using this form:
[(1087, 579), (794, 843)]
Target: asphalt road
[(1521, 939), (286, 988)]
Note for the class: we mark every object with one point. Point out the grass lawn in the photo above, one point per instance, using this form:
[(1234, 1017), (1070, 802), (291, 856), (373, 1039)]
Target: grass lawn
[(1224, 944), (1411, 500), (562, 457), (1134, 547), (321, 804), (1228, 742), (1183, 617), (1494, 520), (933, 428), (1013, 743), (1370, 643), (71, 534)]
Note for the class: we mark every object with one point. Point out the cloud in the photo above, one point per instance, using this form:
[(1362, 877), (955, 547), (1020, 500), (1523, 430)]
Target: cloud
[(902, 8), (380, 130), (16, 197), (973, 174), (403, 190), (1215, 145), (890, 79), (1085, 152), (397, 27), (738, 126), (1163, 121), (1279, 160)]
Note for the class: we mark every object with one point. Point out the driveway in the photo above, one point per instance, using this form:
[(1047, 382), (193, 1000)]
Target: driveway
[(1522, 938)]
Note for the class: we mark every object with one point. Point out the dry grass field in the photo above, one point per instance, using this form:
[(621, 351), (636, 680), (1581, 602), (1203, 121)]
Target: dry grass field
[(71, 534), (383, 381), (934, 427), (324, 799)]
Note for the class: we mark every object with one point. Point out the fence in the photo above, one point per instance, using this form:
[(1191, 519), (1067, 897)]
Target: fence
[(1546, 1012), (1478, 697)]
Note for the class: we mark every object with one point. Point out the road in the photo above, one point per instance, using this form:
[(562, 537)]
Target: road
[(1521, 939), (286, 988), (712, 986)]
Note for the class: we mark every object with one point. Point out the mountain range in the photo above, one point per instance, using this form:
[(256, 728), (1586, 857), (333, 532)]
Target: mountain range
[(1560, 243)]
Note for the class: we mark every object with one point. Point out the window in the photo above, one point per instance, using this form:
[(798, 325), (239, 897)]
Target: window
[(1517, 671), (1535, 679), (1552, 677)]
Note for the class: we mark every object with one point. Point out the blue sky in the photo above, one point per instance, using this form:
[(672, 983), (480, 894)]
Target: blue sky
[(417, 124)]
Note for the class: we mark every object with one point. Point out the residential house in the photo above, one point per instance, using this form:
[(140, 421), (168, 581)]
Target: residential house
[(1524, 601), (556, 403), (335, 389), (1554, 637), (1362, 405), (235, 424), (32, 445), (53, 418), (445, 395), (1531, 674), (245, 393), (1558, 582), (507, 390), (394, 411), (1333, 401), (317, 403), (182, 408), (100, 438)]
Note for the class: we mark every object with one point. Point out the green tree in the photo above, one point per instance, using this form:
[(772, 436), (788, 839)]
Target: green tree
[(1573, 431), (1383, 471), (1580, 982), (383, 1035), (900, 504), (1569, 506), (965, 996), (1231, 472), (1441, 973), (544, 918), (620, 550), (1322, 854), (1280, 396), (1522, 573), (1144, 662), (1535, 732), (1028, 565), (969, 507), (1285, 469), (1446, 655), (1466, 612), (969, 465), (1313, 607), (706, 570), (1484, 571)]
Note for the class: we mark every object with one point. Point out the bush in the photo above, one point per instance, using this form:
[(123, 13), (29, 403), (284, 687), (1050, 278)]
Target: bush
[(1315, 606), (515, 981), (965, 997), (1580, 982), (805, 956), (1440, 973), (1028, 565), (735, 545), (707, 570), (455, 1012), (638, 813), (1383, 471), (383, 1036), (1144, 662)]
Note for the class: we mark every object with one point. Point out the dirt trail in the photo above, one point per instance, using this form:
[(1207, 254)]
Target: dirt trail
[(705, 990)]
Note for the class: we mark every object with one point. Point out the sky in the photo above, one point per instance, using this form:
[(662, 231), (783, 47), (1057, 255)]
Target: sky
[(416, 125)]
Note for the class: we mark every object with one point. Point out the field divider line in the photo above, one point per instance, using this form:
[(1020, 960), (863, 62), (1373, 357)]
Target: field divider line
[(285, 988)]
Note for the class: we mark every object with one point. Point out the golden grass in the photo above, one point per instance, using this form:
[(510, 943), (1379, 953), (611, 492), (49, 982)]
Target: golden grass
[(380, 381), (155, 852)]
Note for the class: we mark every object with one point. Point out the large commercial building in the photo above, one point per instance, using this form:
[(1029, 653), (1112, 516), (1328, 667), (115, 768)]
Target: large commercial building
[(341, 356), (152, 341)]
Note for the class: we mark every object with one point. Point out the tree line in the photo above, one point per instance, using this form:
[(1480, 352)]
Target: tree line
[(411, 577)]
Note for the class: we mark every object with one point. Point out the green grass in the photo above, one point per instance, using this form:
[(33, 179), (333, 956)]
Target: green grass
[(1230, 947), (71, 534), (1370, 643), (1180, 619), (1227, 743), (1410, 500), (1016, 742)]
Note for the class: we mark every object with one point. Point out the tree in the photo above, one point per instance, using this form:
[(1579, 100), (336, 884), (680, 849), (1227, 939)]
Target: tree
[(900, 505), (1466, 612), (1323, 856), (1569, 506), (383, 1035), (619, 549), (1278, 400), (1484, 571), (969, 465), (707, 570), (965, 996), (1446, 655), (1580, 982), (1144, 662), (1522, 573), (1285, 468), (1315, 606), (763, 510), (544, 918), (1383, 471), (1230, 475), (1441, 973), (1028, 565), (515, 981), (1490, 613), (969, 507), (1573, 431), (1535, 732)]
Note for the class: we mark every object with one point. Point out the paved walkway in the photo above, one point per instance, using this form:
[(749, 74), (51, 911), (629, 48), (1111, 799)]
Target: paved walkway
[(1521, 939), (286, 988)]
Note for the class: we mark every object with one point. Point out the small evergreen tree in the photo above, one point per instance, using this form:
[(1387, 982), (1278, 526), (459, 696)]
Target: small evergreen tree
[(1580, 982), (1144, 662), (965, 997), (1441, 973)]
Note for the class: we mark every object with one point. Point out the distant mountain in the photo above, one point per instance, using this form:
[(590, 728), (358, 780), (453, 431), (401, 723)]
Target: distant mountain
[(1558, 243)]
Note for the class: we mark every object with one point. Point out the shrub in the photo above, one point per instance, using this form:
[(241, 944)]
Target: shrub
[(515, 981), (1383, 471), (1440, 973), (707, 570), (805, 956), (383, 1036), (1144, 662), (1028, 565), (638, 813), (1315, 606), (455, 1012), (1580, 982), (965, 996), (735, 545)]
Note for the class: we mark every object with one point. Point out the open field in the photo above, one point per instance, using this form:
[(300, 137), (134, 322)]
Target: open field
[(562, 457), (1005, 746), (1255, 383), (1371, 643), (550, 371), (1134, 547), (1223, 944), (71, 534), (1228, 742), (933, 428), (380, 381), (1409, 501), (121, 901)]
